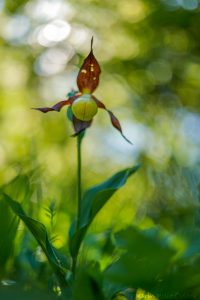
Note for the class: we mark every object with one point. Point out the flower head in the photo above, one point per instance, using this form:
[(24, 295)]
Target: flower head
[(84, 104)]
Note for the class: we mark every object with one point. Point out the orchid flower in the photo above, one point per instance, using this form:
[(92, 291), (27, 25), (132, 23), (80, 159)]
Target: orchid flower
[(84, 104)]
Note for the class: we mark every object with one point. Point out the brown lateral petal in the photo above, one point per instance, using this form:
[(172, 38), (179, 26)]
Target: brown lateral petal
[(57, 107), (99, 103), (88, 76), (115, 122), (79, 125)]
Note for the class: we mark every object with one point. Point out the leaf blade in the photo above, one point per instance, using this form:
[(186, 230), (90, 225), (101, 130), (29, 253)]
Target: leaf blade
[(143, 263), (93, 201), (39, 232)]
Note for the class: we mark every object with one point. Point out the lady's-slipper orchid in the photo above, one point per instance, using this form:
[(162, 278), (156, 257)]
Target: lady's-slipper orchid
[(84, 104)]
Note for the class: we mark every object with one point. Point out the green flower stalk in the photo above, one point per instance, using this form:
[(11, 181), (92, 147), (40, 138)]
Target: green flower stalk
[(83, 107)]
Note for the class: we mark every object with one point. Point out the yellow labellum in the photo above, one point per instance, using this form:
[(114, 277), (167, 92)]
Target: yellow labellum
[(84, 108)]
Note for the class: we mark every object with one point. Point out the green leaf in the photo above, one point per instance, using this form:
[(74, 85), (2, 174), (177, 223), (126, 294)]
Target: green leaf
[(181, 280), (191, 235), (39, 232), (18, 293), (150, 261), (19, 187), (92, 202), (145, 258), (8, 230), (88, 283)]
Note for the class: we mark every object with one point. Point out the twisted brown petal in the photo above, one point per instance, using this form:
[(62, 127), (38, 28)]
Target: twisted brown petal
[(80, 126), (57, 107), (115, 122), (88, 76)]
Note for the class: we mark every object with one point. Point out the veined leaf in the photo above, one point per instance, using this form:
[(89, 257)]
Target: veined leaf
[(92, 202), (39, 232)]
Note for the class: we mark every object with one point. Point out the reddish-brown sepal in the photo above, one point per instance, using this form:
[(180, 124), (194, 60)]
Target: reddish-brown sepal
[(88, 76)]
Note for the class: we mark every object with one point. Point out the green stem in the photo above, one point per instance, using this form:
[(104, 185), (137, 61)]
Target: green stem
[(74, 261), (79, 139)]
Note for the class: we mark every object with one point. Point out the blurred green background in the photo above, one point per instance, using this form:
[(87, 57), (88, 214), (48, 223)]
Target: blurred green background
[(149, 52)]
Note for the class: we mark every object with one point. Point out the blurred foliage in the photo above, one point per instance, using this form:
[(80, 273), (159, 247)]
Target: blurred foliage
[(149, 53), (13, 6)]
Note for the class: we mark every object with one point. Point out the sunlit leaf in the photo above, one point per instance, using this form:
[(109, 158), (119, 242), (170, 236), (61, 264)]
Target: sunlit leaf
[(20, 187), (39, 232), (93, 200)]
